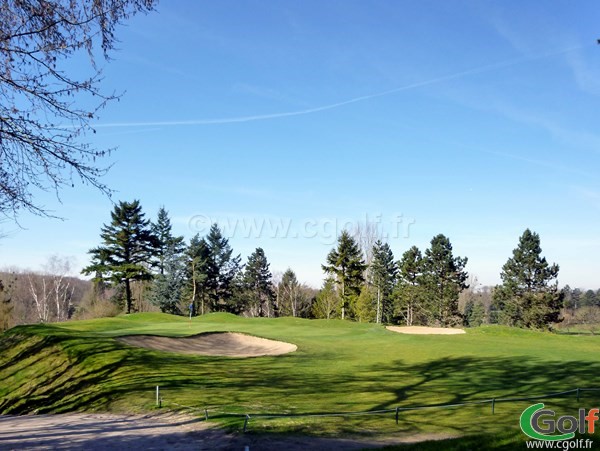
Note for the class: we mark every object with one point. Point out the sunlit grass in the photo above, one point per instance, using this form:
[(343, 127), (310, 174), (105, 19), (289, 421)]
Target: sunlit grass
[(338, 367)]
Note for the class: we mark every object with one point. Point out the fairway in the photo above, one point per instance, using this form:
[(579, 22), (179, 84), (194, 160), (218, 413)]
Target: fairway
[(338, 367)]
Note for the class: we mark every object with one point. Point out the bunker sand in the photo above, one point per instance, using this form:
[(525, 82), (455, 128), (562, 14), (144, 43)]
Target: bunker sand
[(228, 344), (422, 330)]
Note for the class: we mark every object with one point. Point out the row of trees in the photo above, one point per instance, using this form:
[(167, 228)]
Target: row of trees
[(576, 298), (417, 289), (203, 275), (425, 288), (142, 264)]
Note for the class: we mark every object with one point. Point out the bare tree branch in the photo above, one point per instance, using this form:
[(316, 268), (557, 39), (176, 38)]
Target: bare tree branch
[(42, 128)]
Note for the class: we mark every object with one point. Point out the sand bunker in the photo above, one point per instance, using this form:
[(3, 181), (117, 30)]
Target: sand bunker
[(229, 344), (422, 330)]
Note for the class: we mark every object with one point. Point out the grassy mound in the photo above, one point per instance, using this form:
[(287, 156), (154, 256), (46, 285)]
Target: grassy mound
[(339, 367)]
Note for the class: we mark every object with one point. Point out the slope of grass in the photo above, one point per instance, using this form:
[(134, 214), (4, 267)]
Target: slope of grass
[(339, 366)]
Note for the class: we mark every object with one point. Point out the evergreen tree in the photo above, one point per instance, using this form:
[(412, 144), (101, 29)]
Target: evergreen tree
[(576, 295), (444, 278), (589, 298), (288, 294), (197, 269), (168, 284), (567, 297), (474, 313), (384, 272), (166, 243), (221, 271), (327, 301), (365, 307), (409, 291), (528, 295), (167, 287), (346, 264), (128, 249), (260, 296)]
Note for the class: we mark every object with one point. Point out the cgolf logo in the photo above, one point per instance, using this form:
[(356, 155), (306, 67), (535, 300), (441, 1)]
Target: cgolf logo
[(540, 424)]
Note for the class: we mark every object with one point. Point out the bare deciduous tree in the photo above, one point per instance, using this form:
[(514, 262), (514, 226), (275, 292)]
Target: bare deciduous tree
[(366, 235), (42, 112), (52, 290)]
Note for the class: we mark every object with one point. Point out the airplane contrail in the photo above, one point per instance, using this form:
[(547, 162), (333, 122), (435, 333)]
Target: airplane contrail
[(262, 117)]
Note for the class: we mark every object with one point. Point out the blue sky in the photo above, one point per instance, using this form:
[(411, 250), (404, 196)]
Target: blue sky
[(472, 119)]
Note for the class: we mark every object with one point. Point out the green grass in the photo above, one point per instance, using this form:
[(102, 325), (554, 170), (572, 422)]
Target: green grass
[(339, 367)]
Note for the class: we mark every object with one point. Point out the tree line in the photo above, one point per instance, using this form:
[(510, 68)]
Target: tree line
[(49, 295), (141, 265), (198, 277)]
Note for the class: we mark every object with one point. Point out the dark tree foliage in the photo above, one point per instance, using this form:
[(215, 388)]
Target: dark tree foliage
[(222, 271), (45, 111), (260, 297), (167, 287), (197, 258), (444, 277), (346, 264), (474, 313), (409, 292), (170, 280), (384, 272), (127, 251), (589, 299), (166, 243), (528, 295)]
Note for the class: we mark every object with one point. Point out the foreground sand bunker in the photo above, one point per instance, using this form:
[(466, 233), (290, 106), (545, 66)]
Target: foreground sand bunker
[(422, 330), (229, 344)]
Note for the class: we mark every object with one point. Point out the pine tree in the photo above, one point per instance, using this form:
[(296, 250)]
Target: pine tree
[(528, 295), (589, 298), (445, 278), (167, 287), (288, 294), (384, 272), (128, 249), (166, 243), (222, 270), (346, 264), (474, 313), (168, 284), (197, 269), (409, 291), (258, 284)]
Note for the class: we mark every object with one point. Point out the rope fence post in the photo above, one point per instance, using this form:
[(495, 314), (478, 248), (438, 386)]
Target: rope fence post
[(396, 410)]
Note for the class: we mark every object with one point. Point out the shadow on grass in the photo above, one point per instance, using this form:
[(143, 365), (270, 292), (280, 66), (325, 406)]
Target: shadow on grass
[(95, 373)]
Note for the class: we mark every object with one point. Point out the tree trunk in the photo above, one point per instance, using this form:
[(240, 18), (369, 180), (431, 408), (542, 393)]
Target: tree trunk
[(128, 295), (378, 318), (194, 289), (343, 300)]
